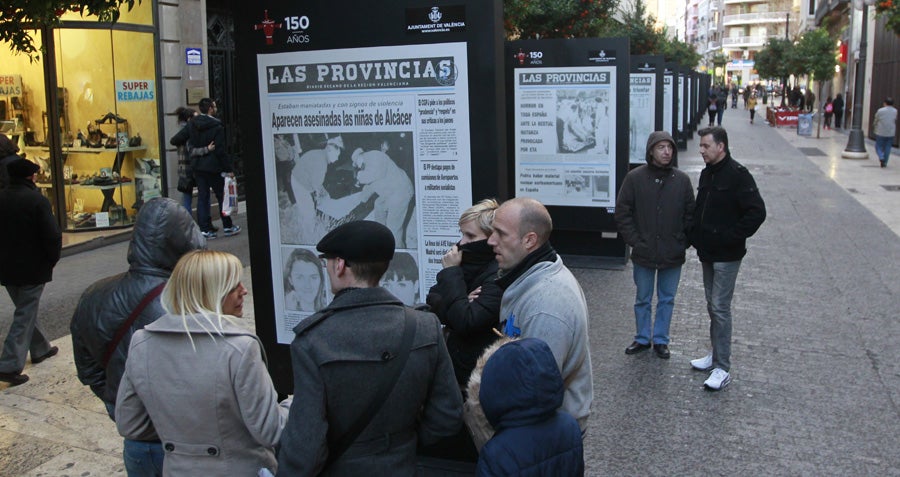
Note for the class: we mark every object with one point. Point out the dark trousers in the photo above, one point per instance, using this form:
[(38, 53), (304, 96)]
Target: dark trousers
[(24, 333), (205, 181)]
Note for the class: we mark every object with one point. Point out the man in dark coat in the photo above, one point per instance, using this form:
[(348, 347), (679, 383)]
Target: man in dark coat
[(209, 170), (30, 246), (343, 358), (653, 214), (728, 211), (163, 232)]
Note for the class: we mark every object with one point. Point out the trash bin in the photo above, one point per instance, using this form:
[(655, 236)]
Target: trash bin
[(804, 124)]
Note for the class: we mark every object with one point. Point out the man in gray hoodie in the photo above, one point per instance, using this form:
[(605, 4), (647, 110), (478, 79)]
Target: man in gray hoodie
[(653, 214), (541, 297)]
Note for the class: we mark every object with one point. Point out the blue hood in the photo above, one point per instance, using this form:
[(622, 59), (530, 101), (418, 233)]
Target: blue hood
[(521, 384)]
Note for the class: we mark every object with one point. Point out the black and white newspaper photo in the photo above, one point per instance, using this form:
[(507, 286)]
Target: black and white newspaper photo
[(376, 134), (668, 93), (642, 95), (564, 123)]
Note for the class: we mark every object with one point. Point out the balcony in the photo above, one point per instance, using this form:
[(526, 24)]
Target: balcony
[(754, 41), (754, 18), (737, 2)]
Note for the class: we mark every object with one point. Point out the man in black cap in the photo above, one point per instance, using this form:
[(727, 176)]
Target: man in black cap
[(371, 377), (29, 248)]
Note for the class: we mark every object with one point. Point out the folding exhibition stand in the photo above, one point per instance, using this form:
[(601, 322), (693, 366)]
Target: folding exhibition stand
[(383, 111), (569, 137)]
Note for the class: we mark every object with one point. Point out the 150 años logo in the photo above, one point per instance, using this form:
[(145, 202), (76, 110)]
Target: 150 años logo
[(296, 26)]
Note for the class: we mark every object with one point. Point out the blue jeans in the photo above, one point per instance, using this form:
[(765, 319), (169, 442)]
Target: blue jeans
[(719, 115), (142, 458), (187, 199), (883, 147), (666, 287), (205, 181), (718, 284)]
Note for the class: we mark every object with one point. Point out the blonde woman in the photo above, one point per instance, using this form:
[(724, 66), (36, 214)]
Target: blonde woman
[(200, 379)]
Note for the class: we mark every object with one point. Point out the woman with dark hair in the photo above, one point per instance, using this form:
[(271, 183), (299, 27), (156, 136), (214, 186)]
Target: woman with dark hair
[(304, 282), (199, 378)]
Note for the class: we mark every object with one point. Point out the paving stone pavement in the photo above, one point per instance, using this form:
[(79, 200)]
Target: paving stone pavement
[(815, 364)]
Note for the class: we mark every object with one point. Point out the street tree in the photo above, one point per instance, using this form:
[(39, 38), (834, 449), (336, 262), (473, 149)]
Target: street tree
[(20, 19), (646, 39), (526, 19), (776, 60), (815, 57), (640, 29)]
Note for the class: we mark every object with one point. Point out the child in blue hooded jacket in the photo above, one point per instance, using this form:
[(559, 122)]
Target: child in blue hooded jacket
[(521, 394)]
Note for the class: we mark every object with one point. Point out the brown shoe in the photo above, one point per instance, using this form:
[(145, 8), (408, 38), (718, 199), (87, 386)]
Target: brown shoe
[(49, 354), (14, 379)]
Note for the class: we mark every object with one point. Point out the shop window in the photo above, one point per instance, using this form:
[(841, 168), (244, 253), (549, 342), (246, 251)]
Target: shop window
[(108, 125), (22, 100)]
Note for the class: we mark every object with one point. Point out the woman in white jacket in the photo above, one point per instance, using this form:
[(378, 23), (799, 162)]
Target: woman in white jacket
[(200, 379)]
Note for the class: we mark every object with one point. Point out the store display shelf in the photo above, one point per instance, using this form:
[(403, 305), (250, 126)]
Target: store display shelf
[(103, 187), (87, 150)]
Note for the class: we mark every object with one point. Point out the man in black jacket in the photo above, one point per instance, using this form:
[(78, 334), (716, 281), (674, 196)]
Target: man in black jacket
[(729, 210), (30, 246), (653, 213), (210, 169)]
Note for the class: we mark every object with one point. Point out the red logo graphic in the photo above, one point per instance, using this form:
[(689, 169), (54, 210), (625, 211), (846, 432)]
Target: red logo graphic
[(267, 26)]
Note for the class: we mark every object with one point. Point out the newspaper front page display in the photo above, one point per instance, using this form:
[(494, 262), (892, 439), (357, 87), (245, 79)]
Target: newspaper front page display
[(642, 98), (362, 134), (682, 101), (668, 92), (564, 122)]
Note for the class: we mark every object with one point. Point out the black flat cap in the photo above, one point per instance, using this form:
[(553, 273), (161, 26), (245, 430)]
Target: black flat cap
[(22, 168), (359, 241)]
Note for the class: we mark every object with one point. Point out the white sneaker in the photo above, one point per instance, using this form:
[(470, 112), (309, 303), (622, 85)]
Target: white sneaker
[(702, 364), (718, 379)]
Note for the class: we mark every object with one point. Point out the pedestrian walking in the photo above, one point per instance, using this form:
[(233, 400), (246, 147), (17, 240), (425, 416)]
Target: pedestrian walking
[(653, 214), (885, 128), (711, 109), (721, 106), (751, 105), (838, 105), (541, 297), (729, 210), (372, 378), (187, 155), (210, 169), (829, 111), (197, 378), (112, 309), (734, 96), (30, 246)]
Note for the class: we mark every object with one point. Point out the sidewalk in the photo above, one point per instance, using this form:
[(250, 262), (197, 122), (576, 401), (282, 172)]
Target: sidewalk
[(816, 364)]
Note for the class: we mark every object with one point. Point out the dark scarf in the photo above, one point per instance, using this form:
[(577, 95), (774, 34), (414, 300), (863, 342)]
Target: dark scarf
[(475, 257), (544, 253)]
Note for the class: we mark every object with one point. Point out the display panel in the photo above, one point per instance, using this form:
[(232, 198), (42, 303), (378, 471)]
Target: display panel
[(365, 133), (564, 135)]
